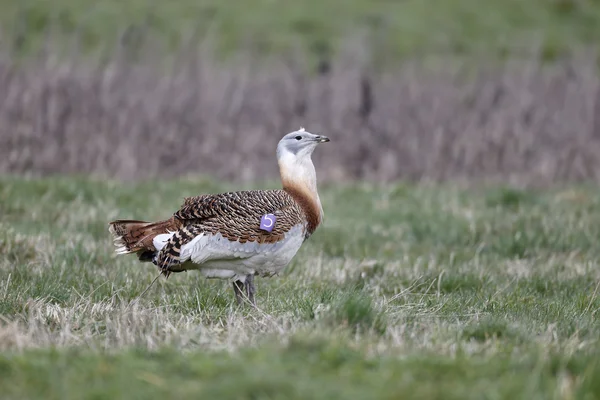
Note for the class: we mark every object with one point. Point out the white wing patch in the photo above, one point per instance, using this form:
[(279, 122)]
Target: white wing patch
[(161, 240)]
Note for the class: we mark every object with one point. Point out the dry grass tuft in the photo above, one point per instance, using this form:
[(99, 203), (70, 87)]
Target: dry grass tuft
[(517, 121)]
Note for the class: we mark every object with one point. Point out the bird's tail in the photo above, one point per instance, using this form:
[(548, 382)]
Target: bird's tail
[(132, 236)]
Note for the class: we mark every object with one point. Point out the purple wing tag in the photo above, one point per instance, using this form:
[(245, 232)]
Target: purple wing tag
[(267, 222)]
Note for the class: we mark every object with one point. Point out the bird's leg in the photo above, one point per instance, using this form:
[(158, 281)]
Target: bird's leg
[(245, 290), (250, 289), (238, 289)]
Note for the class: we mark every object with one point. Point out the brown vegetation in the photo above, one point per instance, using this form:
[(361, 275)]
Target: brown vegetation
[(518, 121)]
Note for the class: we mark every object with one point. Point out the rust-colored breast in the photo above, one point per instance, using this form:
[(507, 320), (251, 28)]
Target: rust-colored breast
[(310, 208)]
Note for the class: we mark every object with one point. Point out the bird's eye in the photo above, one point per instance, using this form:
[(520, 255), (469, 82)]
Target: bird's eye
[(298, 137)]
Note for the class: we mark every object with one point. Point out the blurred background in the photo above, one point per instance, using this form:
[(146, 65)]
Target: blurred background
[(433, 90)]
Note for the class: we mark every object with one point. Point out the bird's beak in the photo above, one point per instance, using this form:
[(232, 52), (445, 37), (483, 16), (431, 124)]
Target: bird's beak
[(322, 139)]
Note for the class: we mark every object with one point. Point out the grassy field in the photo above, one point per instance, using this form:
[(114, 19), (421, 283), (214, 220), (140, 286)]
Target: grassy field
[(405, 291), (397, 27)]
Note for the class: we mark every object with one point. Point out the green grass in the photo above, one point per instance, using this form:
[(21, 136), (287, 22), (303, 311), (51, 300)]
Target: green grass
[(412, 291), (394, 27)]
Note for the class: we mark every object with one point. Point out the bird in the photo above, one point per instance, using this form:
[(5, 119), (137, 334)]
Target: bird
[(235, 235)]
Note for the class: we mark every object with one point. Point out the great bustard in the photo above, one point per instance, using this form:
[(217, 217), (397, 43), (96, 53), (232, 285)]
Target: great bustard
[(236, 235)]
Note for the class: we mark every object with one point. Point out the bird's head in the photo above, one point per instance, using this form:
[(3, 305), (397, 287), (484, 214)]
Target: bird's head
[(299, 144)]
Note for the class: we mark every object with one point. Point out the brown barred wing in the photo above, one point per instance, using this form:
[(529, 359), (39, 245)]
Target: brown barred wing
[(236, 216)]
